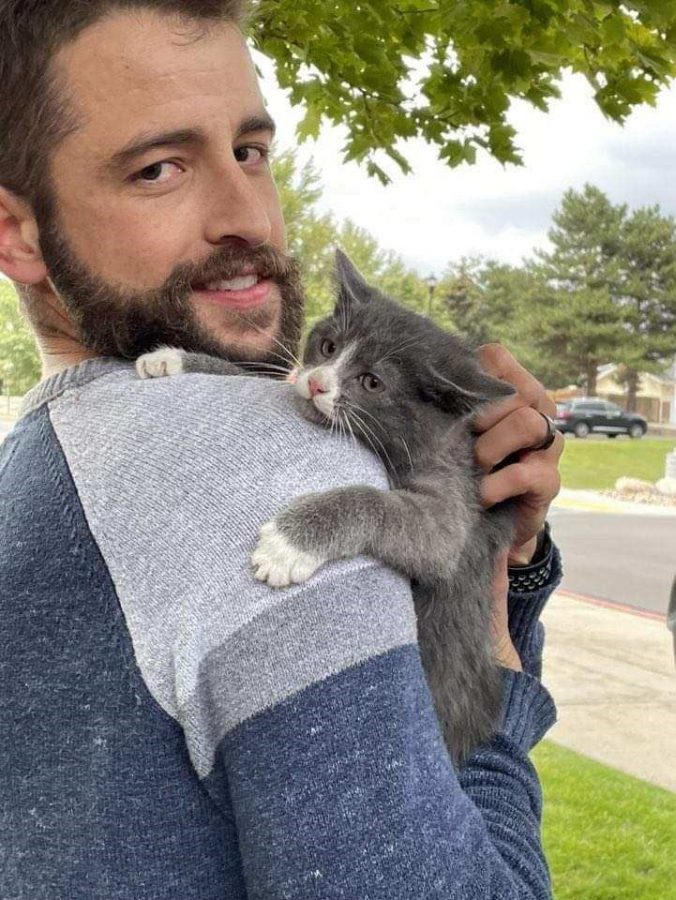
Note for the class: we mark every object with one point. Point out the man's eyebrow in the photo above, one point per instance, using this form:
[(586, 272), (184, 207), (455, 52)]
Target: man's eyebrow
[(144, 143), (261, 122), (181, 137)]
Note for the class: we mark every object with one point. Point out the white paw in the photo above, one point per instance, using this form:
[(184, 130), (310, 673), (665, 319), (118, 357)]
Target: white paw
[(165, 361), (278, 562)]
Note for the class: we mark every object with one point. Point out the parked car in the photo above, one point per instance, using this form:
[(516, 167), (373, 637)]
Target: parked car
[(586, 414)]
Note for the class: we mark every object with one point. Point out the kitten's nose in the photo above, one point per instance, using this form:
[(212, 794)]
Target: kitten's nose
[(315, 387)]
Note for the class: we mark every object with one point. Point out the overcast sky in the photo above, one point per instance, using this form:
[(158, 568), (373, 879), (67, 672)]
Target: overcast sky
[(438, 214)]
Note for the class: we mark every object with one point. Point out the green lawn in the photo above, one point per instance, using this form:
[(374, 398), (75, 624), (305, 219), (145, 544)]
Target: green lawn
[(597, 464), (607, 836)]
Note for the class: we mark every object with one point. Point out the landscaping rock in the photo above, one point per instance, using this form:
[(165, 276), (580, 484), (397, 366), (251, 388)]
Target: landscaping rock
[(667, 486), (635, 490), (634, 486)]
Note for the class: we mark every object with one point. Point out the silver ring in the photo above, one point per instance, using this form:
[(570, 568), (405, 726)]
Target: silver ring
[(550, 437)]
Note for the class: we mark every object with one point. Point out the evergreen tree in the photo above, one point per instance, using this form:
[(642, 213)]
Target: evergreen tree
[(580, 316), (648, 258)]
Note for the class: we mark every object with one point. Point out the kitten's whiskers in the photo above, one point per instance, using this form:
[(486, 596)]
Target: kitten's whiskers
[(364, 429), (408, 452)]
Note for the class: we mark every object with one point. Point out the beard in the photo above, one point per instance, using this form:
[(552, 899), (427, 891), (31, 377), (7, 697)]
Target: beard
[(113, 321)]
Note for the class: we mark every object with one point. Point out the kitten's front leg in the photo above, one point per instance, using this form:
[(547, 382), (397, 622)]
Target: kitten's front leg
[(419, 535), (167, 361)]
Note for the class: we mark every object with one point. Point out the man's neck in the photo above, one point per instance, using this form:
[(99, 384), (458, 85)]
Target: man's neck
[(56, 358), (56, 336)]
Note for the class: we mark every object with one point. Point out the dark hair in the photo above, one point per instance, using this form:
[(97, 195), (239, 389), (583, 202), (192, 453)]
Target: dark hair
[(34, 111)]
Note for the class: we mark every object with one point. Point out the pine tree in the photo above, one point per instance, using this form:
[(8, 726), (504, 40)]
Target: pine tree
[(648, 256), (581, 318)]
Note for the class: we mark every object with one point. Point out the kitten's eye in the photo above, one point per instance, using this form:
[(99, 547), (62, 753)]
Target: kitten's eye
[(327, 347), (372, 383)]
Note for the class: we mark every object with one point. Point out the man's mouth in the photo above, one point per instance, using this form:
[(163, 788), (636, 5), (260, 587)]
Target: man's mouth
[(239, 293), (242, 283)]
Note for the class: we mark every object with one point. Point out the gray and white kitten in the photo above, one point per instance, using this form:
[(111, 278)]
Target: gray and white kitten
[(407, 389)]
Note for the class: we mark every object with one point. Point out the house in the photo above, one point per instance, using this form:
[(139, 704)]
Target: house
[(656, 397)]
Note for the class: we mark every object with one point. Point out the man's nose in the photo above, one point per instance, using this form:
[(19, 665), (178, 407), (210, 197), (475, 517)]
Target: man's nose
[(237, 208), (315, 387)]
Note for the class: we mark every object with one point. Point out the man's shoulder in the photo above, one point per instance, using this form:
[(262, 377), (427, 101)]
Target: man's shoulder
[(203, 426), (176, 477)]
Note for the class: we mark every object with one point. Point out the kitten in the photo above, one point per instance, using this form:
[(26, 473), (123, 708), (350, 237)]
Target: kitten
[(407, 389)]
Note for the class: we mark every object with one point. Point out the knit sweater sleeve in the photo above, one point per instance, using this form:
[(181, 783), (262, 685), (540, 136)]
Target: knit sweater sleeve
[(345, 788)]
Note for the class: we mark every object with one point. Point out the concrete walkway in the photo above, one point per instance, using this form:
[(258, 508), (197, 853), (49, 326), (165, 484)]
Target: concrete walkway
[(611, 671)]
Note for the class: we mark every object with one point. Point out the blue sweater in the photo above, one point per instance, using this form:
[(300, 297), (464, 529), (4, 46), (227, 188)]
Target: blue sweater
[(172, 728)]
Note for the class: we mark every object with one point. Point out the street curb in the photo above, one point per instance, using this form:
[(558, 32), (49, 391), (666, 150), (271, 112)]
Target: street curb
[(612, 604)]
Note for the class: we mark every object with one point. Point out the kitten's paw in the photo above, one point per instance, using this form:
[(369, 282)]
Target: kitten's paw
[(278, 562), (161, 362)]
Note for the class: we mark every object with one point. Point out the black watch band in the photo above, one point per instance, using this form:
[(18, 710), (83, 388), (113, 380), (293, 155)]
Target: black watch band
[(525, 579)]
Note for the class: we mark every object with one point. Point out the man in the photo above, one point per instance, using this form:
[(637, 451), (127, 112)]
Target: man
[(171, 728)]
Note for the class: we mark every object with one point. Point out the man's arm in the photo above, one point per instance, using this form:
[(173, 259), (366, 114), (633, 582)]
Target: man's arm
[(345, 789)]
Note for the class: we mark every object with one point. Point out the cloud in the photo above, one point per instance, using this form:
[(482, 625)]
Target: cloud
[(438, 214)]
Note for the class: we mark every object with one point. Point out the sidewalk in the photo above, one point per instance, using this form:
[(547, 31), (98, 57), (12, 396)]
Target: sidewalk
[(611, 672)]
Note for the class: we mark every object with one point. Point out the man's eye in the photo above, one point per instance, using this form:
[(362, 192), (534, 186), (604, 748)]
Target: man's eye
[(251, 154), (327, 347), (157, 173)]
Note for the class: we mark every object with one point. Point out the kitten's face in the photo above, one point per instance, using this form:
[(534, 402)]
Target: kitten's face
[(346, 374), (386, 374)]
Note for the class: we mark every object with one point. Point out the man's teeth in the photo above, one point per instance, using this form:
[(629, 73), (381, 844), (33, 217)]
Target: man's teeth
[(235, 284)]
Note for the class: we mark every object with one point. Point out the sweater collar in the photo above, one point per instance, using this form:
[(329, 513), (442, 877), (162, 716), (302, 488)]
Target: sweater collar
[(75, 376)]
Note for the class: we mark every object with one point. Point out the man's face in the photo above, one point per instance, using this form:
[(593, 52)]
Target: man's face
[(163, 195)]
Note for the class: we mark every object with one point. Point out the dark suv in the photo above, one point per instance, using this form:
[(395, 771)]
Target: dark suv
[(586, 414)]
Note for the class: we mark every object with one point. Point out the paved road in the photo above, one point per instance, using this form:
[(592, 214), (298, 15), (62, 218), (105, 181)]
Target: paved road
[(623, 558)]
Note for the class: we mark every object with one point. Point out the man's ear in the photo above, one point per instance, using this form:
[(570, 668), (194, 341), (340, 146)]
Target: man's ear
[(464, 399), (20, 255), (350, 282)]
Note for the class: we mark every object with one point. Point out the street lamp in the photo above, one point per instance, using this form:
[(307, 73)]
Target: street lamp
[(431, 281)]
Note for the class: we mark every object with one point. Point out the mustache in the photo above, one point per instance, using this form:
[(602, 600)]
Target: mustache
[(230, 261)]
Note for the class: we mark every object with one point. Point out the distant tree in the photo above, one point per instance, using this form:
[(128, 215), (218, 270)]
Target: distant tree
[(580, 317), (462, 293), (648, 280), (19, 359), (314, 235), (492, 301), (447, 71)]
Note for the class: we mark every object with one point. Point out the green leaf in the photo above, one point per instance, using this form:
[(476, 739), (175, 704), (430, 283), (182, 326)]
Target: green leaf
[(471, 59)]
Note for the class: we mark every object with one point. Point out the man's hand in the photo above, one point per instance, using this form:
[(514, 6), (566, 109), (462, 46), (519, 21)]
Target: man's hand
[(503, 649), (514, 426)]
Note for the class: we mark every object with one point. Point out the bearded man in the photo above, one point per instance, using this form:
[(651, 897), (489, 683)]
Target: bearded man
[(171, 727)]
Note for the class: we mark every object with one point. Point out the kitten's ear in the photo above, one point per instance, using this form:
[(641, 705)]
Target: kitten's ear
[(350, 281), (466, 398)]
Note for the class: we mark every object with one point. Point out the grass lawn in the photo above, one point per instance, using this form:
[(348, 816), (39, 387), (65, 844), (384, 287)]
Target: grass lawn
[(607, 836), (597, 464)]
